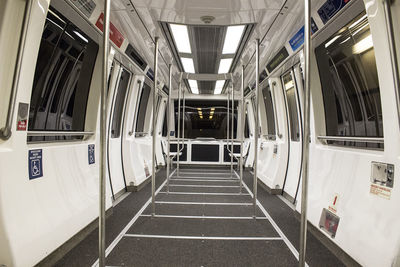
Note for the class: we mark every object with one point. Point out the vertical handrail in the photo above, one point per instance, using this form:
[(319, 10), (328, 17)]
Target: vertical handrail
[(274, 101), (306, 144), (227, 121), (183, 119), (242, 123), (257, 130), (393, 52), (5, 132), (103, 136), (168, 123), (178, 147), (232, 125), (153, 150)]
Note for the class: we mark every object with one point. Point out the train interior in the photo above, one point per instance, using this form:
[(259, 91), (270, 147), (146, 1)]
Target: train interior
[(199, 133)]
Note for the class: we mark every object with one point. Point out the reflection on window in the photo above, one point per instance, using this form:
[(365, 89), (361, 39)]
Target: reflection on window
[(141, 114), (119, 103), (288, 85), (350, 85), (205, 119), (62, 78), (269, 109)]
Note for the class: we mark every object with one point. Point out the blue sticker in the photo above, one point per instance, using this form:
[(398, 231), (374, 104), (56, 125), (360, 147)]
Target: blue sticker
[(35, 164), (330, 8), (172, 133), (91, 157), (298, 39)]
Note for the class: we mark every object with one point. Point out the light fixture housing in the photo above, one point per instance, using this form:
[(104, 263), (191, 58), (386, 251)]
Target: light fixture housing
[(181, 37)]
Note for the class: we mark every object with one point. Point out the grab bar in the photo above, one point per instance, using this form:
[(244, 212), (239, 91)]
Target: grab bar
[(59, 133), (379, 140), (393, 53), (5, 132)]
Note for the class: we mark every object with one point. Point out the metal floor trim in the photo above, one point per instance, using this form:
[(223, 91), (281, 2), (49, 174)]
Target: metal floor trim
[(204, 203), (201, 193), (203, 185), (204, 217), (205, 237)]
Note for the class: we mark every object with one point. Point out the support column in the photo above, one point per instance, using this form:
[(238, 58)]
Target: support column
[(153, 176), (232, 125), (168, 124), (242, 125), (178, 147), (103, 137), (256, 129)]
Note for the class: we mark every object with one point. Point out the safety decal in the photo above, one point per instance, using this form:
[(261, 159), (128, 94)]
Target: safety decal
[(35, 161), (329, 222), (85, 6), (146, 169), (115, 35), (172, 133), (330, 8), (22, 116), (91, 152), (298, 39), (333, 206), (380, 191)]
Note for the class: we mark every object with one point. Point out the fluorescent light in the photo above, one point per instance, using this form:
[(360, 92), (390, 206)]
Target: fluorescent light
[(358, 21), (363, 45), (219, 85), (224, 65), (232, 39), (201, 116), (332, 41), (210, 117), (188, 64), (193, 87), (81, 36), (181, 36), (199, 109), (348, 38), (357, 31), (289, 85)]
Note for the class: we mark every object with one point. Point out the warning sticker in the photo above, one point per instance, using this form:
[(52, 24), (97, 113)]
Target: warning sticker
[(85, 6), (146, 169), (35, 164), (380, 191), (22, 116), (91, 151)]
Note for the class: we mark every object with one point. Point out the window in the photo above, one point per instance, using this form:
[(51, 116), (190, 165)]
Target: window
[(269, 109), (350, 85), (205, 119), (143, 102), (119, 103), (62, 78), (288, 86)]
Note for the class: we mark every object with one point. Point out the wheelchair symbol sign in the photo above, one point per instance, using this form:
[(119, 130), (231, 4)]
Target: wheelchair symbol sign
[(35, 164)]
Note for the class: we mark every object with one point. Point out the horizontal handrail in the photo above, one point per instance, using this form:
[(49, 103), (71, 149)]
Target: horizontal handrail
[(379, 140), (58, 133)]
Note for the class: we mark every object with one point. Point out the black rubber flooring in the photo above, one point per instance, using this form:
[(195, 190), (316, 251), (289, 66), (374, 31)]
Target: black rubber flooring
[(178, 252), (183, 234)]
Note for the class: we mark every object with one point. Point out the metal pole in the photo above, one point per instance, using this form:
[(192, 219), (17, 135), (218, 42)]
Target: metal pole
[(242, 123), (256, 130), (304, 185), (153, 176), (179, 127), (232, 125), (183, 120), (227, 122), (103, 136), (168, 124)]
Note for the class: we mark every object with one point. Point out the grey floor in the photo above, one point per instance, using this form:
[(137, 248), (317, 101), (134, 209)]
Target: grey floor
[(205, 219)]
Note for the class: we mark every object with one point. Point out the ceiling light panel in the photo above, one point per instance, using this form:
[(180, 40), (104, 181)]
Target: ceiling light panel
[(219, 85), (232, 39), (224, 65), (181, 37), (194, 87), (188, 64)]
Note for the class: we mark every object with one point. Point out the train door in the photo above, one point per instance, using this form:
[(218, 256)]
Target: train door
[(295, 135), (114, 145)]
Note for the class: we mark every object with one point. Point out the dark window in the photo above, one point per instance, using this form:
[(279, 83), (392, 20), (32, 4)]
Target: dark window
[(246, 127), (269, 109), (143, 102), (350, 85), (288, 85), (205, 119), (62, 78), (119, 103)]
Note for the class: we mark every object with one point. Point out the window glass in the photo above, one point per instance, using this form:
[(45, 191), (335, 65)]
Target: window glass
[(62, 78), (119, 103), (269, 109), (288, 85), (143, 102), (206, 119), (350, 86)]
